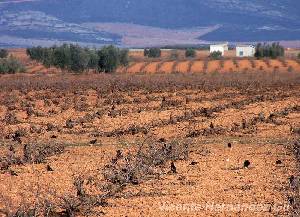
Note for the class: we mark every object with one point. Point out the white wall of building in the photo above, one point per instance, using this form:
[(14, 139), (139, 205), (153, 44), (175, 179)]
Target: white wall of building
[(216, 49), (245, 51), (219, 47)]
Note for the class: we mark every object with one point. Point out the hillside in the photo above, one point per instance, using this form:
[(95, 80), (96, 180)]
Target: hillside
[(63, 20)]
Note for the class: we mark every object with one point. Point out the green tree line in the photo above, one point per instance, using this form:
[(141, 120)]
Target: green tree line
[(153, 52), (78, 59), (266, 50)]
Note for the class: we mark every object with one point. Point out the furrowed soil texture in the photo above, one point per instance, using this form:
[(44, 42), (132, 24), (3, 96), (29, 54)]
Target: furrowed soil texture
[(179, 144)]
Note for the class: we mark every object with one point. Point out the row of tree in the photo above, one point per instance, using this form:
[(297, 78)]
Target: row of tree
[(78, 59), (3, 53), (273, 50), (266, 50), (156, 53), (10, 65)]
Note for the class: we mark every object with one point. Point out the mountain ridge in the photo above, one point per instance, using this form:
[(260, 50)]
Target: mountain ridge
[(247, 20)]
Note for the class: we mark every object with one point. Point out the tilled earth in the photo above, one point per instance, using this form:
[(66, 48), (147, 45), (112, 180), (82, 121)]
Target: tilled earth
[(226, 127)]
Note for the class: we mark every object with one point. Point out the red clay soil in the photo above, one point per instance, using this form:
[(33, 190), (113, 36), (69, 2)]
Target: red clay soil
[(113, 113)]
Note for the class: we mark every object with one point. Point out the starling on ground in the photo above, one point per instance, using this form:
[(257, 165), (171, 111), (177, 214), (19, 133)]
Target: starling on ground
[(17, 138), (278, 162), (292, 178), (13, 173), (11, 149), (53, 137), (133, 180), (93, 142), (193, 163), (246, 163), (162, 140), (173, 167), (294, 182), (229, 145), (119, 154), (49, 169), (291, 200)]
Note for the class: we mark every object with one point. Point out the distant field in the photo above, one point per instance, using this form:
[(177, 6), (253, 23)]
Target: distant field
[(289, 53), (199, 64)]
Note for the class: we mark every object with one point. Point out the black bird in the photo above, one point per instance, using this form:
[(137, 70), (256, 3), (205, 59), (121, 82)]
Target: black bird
[(278, 162), (173, 167), (133, 180), (292, 179), (11, 149), (119, 154), (211, 125), (193, 163), (13, 173), (53, 137), (49, 169), (246, 163), (294, 182), (162, 140), (17, 137), (291, 200), (93, 141), (229, 145)]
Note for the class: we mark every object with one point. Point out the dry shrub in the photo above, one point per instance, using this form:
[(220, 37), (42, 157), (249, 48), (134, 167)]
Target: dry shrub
[(283, 62), (144, 162), (11, 118), (222, 63), (191, 63), (36, 129), (11, 158), (170, 103), (87, 118), (253, 63), (205, 65), (51, 127), (235, 62), (295, 130), (38, 207), (211, 130), (29, 111), (32, 153), (267, 62), (81, 105), (37, 153), (70, 123), (148, 160), (150, 83)]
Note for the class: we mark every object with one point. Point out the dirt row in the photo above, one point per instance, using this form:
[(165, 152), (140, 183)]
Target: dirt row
[(210, 66)]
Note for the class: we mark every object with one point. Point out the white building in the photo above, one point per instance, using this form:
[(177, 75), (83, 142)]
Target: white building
[(245, 51), (219, 47)]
